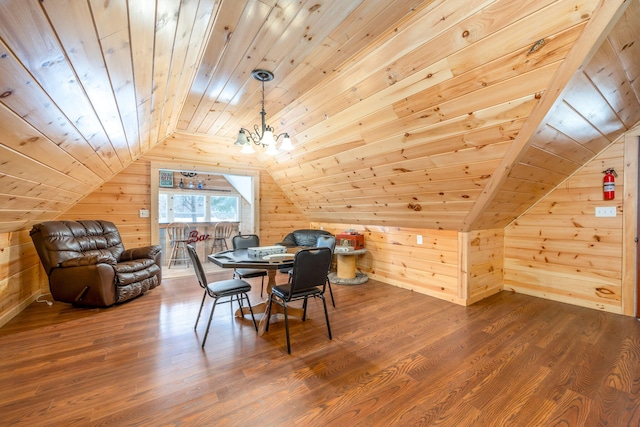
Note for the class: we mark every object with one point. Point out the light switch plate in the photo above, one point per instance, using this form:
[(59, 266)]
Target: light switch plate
[(144, 213), (419, 239), (606, 211)]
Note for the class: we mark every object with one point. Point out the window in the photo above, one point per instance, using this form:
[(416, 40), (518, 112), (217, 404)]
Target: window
[(197, 207)]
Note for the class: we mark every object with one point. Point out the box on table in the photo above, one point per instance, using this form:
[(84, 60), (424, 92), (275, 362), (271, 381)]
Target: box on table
[(350, 239), (261, 251)]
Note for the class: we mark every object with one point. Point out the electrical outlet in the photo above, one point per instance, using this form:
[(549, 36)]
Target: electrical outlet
[(606, 211), (144, 213), (419, 239)]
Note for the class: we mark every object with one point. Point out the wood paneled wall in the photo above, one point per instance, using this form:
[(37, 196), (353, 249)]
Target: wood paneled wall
[(561, 251), (22, 279)]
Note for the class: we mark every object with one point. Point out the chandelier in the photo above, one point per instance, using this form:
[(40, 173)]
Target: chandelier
[(262, 136)]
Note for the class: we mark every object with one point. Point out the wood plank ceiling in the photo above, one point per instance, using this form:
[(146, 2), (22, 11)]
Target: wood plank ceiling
[(418, 113)]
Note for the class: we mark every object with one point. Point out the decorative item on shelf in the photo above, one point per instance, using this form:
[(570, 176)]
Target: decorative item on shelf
[(191, 185), (189, 174), (200, 185), (181, 185), (262, 136), (166, 178)]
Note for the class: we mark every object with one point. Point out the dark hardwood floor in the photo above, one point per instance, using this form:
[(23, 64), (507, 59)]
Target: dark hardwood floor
[(398, 358)]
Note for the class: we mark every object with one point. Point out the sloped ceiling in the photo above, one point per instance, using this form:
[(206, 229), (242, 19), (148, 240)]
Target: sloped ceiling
[(432, 114)]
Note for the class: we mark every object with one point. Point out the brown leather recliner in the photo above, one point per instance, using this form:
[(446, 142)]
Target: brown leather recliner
[(88, 265)]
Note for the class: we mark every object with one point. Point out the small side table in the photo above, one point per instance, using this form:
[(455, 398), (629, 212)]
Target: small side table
[(346, 272)]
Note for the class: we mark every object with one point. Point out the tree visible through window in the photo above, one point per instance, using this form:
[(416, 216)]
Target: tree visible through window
[(194, 208)]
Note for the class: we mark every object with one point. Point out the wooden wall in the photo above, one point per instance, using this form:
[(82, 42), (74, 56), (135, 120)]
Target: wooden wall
[(22, 279), (481, 273), (561, 251)]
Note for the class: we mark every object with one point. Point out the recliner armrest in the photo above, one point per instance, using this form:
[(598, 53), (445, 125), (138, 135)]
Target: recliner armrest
[(89, 260), (142, 252)]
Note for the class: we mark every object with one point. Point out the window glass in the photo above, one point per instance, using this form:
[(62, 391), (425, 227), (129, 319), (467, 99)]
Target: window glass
[(163, 208), (188, 208), (224, 208)]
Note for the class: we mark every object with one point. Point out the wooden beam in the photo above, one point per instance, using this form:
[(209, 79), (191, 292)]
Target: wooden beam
[(602, 21)]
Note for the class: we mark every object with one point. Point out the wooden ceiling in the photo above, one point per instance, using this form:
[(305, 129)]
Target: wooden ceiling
[(432, 114)]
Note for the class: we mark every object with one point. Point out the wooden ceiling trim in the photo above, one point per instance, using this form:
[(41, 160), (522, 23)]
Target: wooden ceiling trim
[(600, 24)]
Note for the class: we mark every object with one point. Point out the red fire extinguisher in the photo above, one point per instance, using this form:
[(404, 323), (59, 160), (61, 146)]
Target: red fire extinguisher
[(609, 184)]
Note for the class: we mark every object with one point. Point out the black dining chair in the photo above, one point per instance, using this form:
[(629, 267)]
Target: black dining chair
[(309, 276), (324, 242), (217, 290), (248, 241)]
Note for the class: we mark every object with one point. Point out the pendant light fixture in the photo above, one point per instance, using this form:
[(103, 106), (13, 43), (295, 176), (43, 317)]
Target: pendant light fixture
[(264, 136)]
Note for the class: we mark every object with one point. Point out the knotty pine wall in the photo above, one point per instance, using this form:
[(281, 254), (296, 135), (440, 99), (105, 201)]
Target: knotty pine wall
[(458, 267), (560, 251)]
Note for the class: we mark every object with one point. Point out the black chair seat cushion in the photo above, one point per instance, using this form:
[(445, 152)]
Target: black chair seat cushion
[(251, 272), (282, 291), (231, 286)]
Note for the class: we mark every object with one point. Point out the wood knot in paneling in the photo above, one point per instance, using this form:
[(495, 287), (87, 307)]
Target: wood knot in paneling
[(415, 207)]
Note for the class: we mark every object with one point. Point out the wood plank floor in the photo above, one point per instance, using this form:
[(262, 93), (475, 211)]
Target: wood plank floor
[(397, 359)]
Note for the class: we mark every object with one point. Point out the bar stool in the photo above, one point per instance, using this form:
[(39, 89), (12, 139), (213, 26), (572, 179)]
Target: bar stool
[(178, 233), (221, 233)]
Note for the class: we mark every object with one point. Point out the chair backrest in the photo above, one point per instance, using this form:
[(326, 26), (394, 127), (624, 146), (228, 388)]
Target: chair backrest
[(59, 241), (223, 230), (310, 268), (178, 231), (327, 242), (246, 241), (197, 266)]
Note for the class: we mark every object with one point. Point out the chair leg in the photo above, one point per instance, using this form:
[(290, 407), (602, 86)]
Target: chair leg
[(262, 287), (286, 325), (215, 301), (304, 309), (268, 312), (326, 316), (255, 325), (331, 293), (200, 311)]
